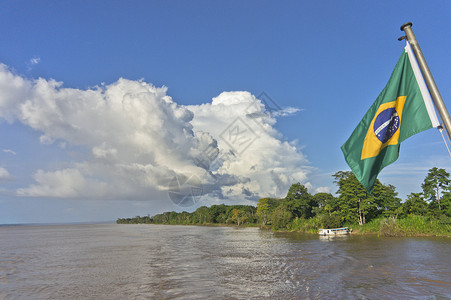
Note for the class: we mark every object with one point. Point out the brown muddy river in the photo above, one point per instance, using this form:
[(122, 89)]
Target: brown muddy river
[(190, 262)]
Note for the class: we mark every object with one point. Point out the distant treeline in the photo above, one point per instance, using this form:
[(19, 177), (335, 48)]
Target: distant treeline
[(215, 214), (381, 211)]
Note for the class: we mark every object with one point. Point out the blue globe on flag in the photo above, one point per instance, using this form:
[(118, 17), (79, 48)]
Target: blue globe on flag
[(386, 124)]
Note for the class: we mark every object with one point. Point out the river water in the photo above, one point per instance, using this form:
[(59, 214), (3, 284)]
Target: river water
[(190, 262)]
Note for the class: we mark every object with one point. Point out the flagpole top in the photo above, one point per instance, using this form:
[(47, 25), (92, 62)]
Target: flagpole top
[(408, 24)]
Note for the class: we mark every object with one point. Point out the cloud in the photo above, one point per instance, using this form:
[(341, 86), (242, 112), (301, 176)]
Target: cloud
[(139, 139), (35, 60), (286, 112), (13, 90), (4, 175), (250, 148), (9, 151), (66, 183), (322, 189)]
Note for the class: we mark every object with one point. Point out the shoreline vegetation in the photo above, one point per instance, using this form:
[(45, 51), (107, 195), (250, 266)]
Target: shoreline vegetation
[(382, 213)]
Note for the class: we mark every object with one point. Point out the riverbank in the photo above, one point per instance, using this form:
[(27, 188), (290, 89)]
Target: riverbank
[(382, 213), (411, 226), (218, 225)]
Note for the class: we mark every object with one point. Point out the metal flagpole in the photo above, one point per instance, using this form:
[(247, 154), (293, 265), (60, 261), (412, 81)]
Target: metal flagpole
[(436, 97)]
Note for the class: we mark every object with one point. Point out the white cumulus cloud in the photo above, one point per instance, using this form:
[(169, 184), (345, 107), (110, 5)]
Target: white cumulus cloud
[(250, 148), (139, 139)]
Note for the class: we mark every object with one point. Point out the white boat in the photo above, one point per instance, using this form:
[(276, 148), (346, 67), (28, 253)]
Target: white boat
[(335, 231)]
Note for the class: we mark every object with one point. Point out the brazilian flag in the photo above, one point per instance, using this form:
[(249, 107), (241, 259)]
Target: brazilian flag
[(402, 109)]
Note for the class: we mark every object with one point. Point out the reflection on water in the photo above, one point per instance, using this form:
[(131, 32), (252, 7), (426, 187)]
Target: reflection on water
[(190, 262)]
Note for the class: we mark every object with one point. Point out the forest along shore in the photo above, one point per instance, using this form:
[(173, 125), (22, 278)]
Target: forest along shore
[(382, 213)]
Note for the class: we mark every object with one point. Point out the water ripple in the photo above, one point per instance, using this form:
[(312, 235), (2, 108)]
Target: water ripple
[(189, 262)]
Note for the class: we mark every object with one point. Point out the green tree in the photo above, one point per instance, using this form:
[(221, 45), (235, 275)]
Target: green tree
[(352, 197), (356, 205), (298, 201), (237, 216), (324, 203), (331, 221), (445, 202), (280, 217), (436, 182), (264, 210), (415, 205), (202, 215), (217, 213), (386, 199)]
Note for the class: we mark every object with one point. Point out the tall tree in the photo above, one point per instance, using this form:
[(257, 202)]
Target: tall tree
[(386, 199), (299, 201), (356, 205), (352, 197), (436, 182), (264, 210), (237, 216)]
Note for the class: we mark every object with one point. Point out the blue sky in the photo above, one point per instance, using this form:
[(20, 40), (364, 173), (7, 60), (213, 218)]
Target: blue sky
[(69, 154)]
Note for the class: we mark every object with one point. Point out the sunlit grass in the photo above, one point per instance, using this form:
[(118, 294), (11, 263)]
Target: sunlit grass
[(305, 225), (411, 225)]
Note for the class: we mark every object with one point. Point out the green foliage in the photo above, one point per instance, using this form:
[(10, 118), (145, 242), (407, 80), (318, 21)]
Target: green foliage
[(415, 205), (446, 204), (265, 207), (324, 203), (135, 220), (411, 225), (351, 197), (435, 184), (280, 217), (222, 214), (355, 205), (386, 200), (306, 225), (390, 227), (299, 201), (371, 227), (419, 225), (331, 221)]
